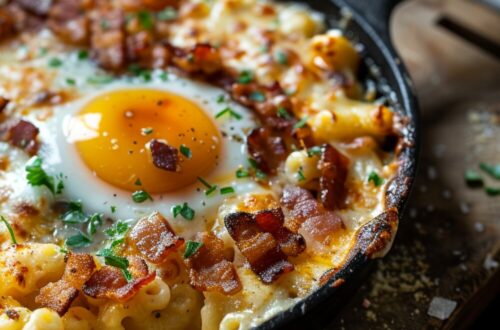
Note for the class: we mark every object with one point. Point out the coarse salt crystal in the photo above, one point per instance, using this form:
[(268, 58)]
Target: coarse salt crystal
[(441, 308)]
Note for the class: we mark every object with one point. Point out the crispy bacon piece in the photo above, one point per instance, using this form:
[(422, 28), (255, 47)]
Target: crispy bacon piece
[(7, 23), (109, 282), (153, 237), (267, 150), (68, 20), (333, 166), (59, 295), (164, 156), (23, 135), (202, 58), (3, 100), (306, 215), (264, 242), (209, 270), (38, 7), (107, 40)]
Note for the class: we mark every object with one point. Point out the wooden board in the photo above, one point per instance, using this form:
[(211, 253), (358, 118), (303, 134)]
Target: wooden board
[(448, 243)]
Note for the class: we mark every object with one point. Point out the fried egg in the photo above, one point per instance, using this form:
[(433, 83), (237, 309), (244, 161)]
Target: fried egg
[(99, 144)]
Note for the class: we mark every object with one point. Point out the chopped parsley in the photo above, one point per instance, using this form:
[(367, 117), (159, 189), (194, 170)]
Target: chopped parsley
[(55, 62), (117, 233), (74, 214), (105, 24), (242, 173), (37, 176), (258, 172), (221, 98), (146, 131), (185, 151), (99, 80), (257, 96), (163, 76), (300, 174), (113, 208), (9, 228), (210, 188), (140, 196), (226, 190), (191, 248), (184, 210), (473, 178), (42, 51), (281, 57), (301, 123), (79, 240), (167, 14), (137, 71), (245, 77), (283, 113), (230, 112), (375, 178), (111, 259), (491, 170), (71, 81), (492, 191), (82, 55), (314, 151), (138, 182), (95, 221), (146, 19)]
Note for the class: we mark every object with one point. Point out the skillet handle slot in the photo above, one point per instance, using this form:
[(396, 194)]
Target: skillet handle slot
[(376, 12)]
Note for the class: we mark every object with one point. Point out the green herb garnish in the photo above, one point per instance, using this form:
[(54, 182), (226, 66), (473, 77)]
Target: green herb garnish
[(492, 191), (37, 176), (146, 130), (138, 182), (257, 96), (9, 228), (492, 170), (113, 208), (79, 240), (71, 81), (283, 113), (74, 214), (375, 178), (281, 57), (300, 174), (99, 80), (111, 259), (210, 188), (242, 173), (184, 210), (146, 19), (221, 98), (473, 178), (226, 190), (140, 196), (191, 248), (301, 123), (229, 111), (82, 55), (117, 233), (94, 222), (54, 62), (245, 77), (314, 151), (185, 151), (258, 172)]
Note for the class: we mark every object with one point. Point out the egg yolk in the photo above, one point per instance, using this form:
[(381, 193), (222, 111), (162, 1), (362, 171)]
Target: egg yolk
[(113, 131)]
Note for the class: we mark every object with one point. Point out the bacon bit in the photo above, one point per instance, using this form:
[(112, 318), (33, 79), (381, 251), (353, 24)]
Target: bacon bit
[(68, 21), (305, 214), (202, 58), (209, 270), (267, 150), (12, 314), (23, 135), (107, 41), (38, 7), (139, 46), (164, 156), (3, 100), (154, 238), (59, 295), (7, 23), (333, 166), (254, 236), (109, 282)]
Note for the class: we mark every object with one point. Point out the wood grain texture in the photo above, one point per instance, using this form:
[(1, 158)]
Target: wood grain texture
[(448, 243)]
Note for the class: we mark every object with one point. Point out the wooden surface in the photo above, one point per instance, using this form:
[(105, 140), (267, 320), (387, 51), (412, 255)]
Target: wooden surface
[(448, 244)]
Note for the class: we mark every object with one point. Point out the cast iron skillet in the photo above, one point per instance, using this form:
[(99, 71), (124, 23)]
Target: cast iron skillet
[(369, 27)]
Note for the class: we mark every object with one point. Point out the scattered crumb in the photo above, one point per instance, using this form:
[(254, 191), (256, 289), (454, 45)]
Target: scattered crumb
[(479, 227), (464, 208), (370, 315), (490, 263), (441, 308), (366, 303)]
